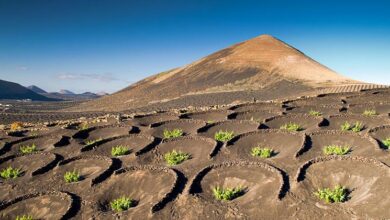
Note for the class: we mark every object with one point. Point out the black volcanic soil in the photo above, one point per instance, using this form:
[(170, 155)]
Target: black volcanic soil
[(322, 109), (280, 187), (306, 122), (42, 143), (335, 121), (261, 106), (259, 116), (104, 132), (285, 145), (200, 149), (188, 127), (235, 126), (360, 145), (146, 194), (381, 133), (145, 120), (29, 165), (53, 205), (134, 143), (261, 186), (380, 108), (209, 116), (366, 180)]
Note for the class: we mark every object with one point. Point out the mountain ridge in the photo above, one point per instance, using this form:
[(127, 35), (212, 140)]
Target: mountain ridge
[(66, 94), (11, 90)]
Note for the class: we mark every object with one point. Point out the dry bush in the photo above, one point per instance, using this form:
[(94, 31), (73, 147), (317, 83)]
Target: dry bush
[(16, 126)]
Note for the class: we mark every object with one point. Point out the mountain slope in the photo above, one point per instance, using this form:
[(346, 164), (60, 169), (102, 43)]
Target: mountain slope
[(10, 90), (251, 65), (36, 89)]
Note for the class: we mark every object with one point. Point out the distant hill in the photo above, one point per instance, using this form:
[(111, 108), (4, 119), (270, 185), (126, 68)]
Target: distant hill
[(66, 92), (36, 89), (102, 93), (11, 90), (257, 64), (72, 96)]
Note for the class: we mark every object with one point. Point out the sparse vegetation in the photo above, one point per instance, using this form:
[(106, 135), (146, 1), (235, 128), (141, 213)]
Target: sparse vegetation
[(24, 217), (336, 150), (370, 112), (386, 142), (210, 122), (338, 194), (173, 133), (83, 126), (357, 127), (10, 173), (227, 194), (315, 113), (91, 142), (119, 151), (176, 157), (72, 176), (16, 126), (27, 149), (223, 136), (262, 152), (291, 127), (346, 126), (122, 204)]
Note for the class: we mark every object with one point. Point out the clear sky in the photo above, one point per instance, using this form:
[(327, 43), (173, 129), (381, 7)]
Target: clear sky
[(96, 45)]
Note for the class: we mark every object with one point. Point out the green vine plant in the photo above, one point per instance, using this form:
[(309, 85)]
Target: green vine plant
[(336, 150), (27, 149), (72, 176), (292, 127), (227, 194), (10, 173), (83, 127), (337, 195), (119, 151), (122, 204), (265, 152), (315, 113), (357, 127), (176, 157), (92, 142), (370, 112), (24, 217), (168, 134), (224, 136), (386, 143)]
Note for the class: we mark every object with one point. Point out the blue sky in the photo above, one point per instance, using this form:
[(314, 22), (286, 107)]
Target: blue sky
[(106, 45)]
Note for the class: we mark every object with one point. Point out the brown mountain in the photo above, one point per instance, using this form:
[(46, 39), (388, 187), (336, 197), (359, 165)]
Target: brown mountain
[(259, 63)]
